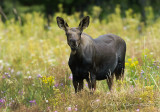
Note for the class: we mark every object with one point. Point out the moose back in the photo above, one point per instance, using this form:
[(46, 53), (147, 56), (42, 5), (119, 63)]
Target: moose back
[(93, 59)]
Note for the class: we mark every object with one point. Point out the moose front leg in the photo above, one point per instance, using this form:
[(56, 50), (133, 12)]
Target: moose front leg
[(78, 84), (75, 84)]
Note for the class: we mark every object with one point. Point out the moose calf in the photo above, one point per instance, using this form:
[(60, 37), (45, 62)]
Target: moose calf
[(93, 59)]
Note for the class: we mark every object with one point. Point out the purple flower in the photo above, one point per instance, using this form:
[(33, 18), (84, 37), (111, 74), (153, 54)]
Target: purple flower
[(70, 77), (20, 92), (5, 73), (61, 84), (2, 100), (3, 77), (56, 85), (87, 85), (32, 101), (75, 109), (69, 109), (39, 76), (158, 67), (142, 72), (9, 76)]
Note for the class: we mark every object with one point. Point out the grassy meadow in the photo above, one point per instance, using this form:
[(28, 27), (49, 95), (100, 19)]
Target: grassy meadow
[(34, 72)]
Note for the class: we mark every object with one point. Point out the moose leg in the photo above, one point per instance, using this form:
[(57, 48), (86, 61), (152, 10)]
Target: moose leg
[(75, 84), (91, 82), (110, 81), (119, 72), (80, 86)]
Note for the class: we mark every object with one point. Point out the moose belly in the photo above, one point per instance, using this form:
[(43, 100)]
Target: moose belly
[(105, 71)]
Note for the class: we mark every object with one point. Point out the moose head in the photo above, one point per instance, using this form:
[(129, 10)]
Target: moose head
[(73, 34)]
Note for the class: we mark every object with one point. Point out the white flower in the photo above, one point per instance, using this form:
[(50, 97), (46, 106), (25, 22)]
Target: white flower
[(29, 77)]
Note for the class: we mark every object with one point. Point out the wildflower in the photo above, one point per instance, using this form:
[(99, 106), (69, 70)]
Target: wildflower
[(18, 73), (6, 73), (39, 76), (9, 68), (28, 72), (158, 67), (29, 77), (126, 64), (61, 84), (132, 65), (32, 101), (142, 72), (2, 100), (70, 77), (136, 62), (75, 109), (1, 67), (130, 59), (69, 108), (137, 110), (63, 63), (55, 111), (20, 92), (87, 85), (46, 101), (12, 70), (97, 100), (1, 61), (9, 76), (56, 85)]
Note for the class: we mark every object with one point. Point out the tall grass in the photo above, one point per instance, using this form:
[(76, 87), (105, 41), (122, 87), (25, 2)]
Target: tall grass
[(34, 74)]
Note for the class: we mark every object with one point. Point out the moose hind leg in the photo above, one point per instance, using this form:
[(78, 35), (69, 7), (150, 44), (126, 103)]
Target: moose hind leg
[(110, 81), (119, 71), (91, 80)]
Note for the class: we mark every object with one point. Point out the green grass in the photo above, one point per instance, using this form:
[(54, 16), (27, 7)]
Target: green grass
[(34, 74)]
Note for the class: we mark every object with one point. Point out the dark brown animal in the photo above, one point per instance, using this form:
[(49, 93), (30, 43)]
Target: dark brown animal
[(93, 59)]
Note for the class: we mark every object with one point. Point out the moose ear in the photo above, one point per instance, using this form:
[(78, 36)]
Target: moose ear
[(84, 23), (61, 23)]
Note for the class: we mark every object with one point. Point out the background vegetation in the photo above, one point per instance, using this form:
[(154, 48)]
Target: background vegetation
[(34, 74)]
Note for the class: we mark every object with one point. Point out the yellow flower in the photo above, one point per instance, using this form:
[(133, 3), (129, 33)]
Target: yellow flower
[(130, 59), (48, 80), (133, 64), (136, 62), (126, 64)]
